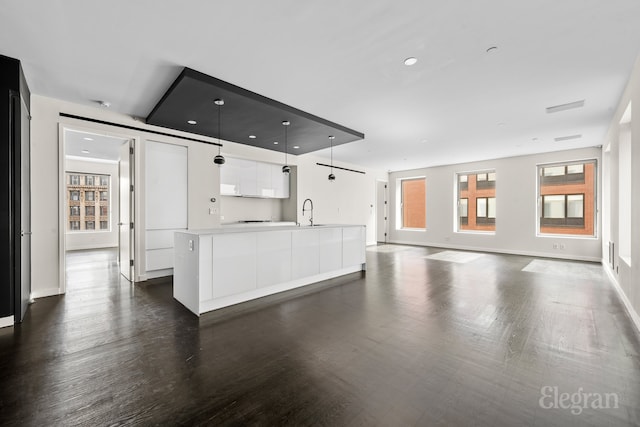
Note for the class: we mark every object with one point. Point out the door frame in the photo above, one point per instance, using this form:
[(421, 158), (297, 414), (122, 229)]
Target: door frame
[(378, 219), (62, 245)]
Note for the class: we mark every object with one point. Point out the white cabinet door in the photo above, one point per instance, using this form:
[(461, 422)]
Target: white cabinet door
[(330, 249), (234, 263), (264, 180), (247, 169), (230, 178), (353, 246), (274, 257), (305, 253), (280, 182)]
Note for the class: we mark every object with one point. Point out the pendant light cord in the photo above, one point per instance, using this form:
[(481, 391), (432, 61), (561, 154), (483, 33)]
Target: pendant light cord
[(219, 128)]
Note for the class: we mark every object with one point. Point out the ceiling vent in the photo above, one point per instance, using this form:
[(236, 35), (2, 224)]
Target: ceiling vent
[(563, 107), (566, 138)]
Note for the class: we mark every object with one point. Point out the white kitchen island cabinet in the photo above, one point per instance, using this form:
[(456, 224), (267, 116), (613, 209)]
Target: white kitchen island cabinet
[(221, 267)]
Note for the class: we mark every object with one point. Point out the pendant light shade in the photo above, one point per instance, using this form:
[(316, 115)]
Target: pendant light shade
[(286, 168), (332, 177), (219, 159)]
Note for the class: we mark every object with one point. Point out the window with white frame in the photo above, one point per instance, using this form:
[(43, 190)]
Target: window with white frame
[(567, 197)]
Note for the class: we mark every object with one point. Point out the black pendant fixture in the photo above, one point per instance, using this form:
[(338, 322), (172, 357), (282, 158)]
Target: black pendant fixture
[(219, 159), (332, 177), (286, 168)]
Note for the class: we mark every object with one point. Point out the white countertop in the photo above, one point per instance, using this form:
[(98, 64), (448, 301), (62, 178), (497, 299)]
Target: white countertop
[(254, 229)]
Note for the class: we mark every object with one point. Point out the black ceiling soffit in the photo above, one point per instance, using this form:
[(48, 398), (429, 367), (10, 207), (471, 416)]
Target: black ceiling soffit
[(244, 113)]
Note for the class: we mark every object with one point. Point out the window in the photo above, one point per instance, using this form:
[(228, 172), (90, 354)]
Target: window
[(563, 210), (477, 201), (82, 206), (413, 203), (104, 225), (463, 211), (567, 198), (486, 210), (463, 182)]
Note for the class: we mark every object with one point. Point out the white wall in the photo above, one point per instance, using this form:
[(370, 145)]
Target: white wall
[(624, 196), (516, 204), (98, 239)]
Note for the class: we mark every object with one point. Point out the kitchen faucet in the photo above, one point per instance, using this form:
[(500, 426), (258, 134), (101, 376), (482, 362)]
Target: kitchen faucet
[(304, 210)]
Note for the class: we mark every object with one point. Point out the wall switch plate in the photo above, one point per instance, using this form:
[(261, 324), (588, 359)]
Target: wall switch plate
[(191, 245), (213, 211)]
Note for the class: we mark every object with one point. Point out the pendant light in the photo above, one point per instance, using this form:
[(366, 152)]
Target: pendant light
[(332, 177), (286, 168), (219, 159)]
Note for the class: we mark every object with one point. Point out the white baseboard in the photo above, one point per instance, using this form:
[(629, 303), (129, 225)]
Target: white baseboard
[(635, 318), (500, 251), (6, 321), (47, 292)]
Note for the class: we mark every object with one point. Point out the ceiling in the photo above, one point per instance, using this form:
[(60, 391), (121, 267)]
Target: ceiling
[(245, 117), (92, 146), (343, 61)]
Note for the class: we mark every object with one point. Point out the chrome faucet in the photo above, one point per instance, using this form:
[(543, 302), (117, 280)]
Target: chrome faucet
[(311, 210)]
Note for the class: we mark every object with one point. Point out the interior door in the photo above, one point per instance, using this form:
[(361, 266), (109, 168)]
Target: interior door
[(382, 211), (125, 174), (25, 211)]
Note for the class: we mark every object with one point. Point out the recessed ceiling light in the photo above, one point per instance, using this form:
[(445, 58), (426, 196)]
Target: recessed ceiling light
[(492, 49), (296, 146), (275, 142), (85, 151), (424, 141), (86, 138), (410, 61), (534, 139), (567, 106), (252, 137), (192, 122), (501, 124)]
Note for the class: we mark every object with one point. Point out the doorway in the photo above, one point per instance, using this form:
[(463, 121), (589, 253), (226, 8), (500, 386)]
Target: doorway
[(96, 199)]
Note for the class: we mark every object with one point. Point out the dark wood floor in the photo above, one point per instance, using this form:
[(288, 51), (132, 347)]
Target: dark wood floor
[(413, 342)]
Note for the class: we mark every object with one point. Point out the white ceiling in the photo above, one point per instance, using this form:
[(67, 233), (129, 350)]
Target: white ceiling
[(343, 61), (92, 146)]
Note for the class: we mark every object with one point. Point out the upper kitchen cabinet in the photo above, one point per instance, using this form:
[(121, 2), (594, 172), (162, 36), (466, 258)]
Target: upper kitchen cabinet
[(248, 178)]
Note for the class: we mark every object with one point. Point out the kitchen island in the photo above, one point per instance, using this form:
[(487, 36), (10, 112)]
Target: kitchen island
[(220, 267)]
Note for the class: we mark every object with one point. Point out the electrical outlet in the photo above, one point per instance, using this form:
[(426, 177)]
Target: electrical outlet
[(555, 246), (561, 245), (213, 211)]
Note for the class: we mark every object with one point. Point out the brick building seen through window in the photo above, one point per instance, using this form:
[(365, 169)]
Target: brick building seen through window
[(567, 198), (413, 194), (477, 201), (88, 199)]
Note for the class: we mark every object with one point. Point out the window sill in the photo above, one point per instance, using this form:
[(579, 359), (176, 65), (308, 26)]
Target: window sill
[(485, 233), (411, 229), (566, 236)]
